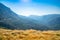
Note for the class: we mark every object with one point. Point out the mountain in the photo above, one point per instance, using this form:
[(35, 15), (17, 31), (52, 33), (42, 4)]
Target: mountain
[(51, 20), (10, 20)]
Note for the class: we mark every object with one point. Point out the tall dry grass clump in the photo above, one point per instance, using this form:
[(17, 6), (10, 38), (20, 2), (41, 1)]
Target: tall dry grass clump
[(6, 34)]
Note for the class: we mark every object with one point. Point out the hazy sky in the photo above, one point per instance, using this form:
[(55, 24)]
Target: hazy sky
[(33, 7)]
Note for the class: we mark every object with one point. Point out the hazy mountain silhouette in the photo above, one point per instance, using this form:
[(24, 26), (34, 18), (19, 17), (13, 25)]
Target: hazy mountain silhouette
[(10, 20), (51, 20)]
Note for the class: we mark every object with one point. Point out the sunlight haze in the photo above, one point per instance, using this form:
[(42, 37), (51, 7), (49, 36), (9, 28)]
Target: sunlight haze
[(33, 7)]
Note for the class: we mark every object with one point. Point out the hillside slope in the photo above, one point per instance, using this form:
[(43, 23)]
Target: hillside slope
[(11, 20)]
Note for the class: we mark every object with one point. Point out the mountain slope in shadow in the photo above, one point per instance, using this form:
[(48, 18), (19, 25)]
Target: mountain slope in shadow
[(51, 20), (10, 20)]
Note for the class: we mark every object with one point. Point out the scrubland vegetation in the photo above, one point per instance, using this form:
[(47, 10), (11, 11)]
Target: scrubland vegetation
[(6, 34)]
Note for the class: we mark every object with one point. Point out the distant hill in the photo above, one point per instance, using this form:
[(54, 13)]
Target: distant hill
[(51, 20), (10, 20)]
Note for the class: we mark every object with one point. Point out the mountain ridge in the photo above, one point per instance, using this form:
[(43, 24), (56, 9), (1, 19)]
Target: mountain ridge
[(11, 20)]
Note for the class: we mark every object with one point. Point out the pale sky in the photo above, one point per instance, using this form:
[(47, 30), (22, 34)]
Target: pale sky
[(33, 7)]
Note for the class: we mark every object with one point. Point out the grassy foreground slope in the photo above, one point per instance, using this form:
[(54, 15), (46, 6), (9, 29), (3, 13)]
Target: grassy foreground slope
[(6, 34)]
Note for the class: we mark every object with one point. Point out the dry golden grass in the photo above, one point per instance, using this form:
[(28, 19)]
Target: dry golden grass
[(6, 34)]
